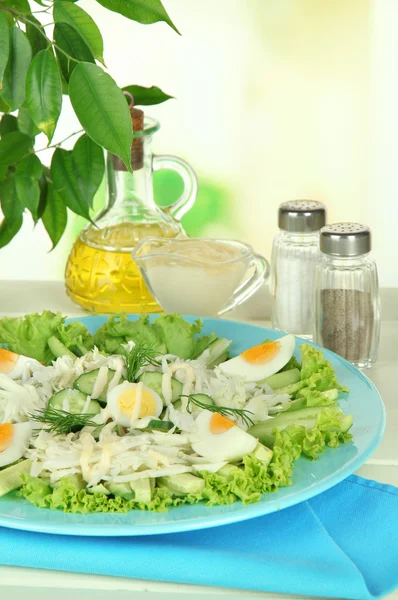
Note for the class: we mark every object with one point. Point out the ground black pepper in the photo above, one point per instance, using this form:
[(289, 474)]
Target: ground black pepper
[(347, 322)]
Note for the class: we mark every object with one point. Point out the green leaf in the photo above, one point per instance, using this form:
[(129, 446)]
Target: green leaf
[(4, 45), (102, 110), (25, 123), (8, 123), (70, 41), (4, 108), (13, 147), (142, 11), (10, 204), (43, 185), (55, 216), (3, 172), (30, 166), (28, 193), (65, 183), (28, 173), (89, 166), (67, 12), (21, 6), (44, 92), (13, 92), (36, 35), (146, 96), (9, 229)]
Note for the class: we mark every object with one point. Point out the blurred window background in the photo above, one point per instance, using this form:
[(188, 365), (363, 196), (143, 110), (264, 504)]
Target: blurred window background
[(275, 100)]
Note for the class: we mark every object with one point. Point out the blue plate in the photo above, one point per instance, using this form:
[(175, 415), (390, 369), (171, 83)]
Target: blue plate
[(309, 477)]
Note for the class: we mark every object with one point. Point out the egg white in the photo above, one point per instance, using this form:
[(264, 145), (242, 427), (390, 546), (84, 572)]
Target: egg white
[(113, 400), (257, 372), (230, 445), (18, 445)]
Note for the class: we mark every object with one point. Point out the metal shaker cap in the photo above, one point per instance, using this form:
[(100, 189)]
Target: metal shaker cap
[(302, 216), (345, 239)]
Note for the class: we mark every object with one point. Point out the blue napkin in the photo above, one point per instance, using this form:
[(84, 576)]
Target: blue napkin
[(342, 543)]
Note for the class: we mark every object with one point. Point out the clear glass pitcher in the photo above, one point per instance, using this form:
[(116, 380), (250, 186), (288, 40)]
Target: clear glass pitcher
[(100, 273), (201, 276)]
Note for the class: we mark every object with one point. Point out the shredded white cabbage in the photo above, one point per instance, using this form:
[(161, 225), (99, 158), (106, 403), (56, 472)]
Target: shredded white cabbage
[(138, 454)]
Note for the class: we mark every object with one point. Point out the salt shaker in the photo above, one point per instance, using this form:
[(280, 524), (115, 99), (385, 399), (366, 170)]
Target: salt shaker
[(294, 255), (346, 294)]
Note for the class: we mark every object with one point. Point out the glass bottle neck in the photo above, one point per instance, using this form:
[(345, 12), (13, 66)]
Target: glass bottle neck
[(131, 191)]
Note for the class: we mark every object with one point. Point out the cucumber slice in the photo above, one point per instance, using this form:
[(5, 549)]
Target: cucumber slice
[(203, 398), (78, 349), (216, 352), (153, 380), (121, 489), (229, 471), (85, 383), (177, 404), (73, 401), (184, 483), (98, 489), (142, 490), (158, 425), (285, 419), (58, 348), (305, 417), (10, 478), (263, 454), (283, 379)]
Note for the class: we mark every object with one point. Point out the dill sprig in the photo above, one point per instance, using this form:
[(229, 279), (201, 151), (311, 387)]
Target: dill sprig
[(225, 411), (138, 357), (63, 422)]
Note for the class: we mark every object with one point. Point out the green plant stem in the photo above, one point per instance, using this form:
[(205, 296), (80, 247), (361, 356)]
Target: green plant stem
[(61, 142), (24, 19)]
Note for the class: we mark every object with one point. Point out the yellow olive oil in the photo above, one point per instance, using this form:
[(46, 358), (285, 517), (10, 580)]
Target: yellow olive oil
[(100, 274)]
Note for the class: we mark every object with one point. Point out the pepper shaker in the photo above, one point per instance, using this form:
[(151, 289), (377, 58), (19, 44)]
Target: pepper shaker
[(346, 294), (294, 254)]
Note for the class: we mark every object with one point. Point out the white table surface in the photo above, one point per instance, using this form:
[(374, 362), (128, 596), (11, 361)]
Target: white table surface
[(19, 297)]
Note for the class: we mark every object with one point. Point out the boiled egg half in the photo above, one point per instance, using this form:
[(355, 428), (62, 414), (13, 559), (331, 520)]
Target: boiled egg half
[(13, 365), (14, 440), (220, 439), (261, 361), (128, 402)]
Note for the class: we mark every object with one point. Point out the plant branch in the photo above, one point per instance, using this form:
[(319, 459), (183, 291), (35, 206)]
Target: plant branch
[(22, 17), (61, 142)]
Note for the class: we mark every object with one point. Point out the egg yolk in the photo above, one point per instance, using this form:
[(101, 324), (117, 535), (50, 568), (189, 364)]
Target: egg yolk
[(6, 436), (220, 424), (261, 354), (8, 360), (128, 398)]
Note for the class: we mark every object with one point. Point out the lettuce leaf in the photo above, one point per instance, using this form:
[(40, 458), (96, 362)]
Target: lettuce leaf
[(73, 334), (317, 374), (119, 330), (168, 333), (315, 398), (316, 371), (29, 335), (313, 361), (180, 336)]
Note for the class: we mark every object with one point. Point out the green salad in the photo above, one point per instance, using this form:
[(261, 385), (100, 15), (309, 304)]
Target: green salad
[(148, 415)]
